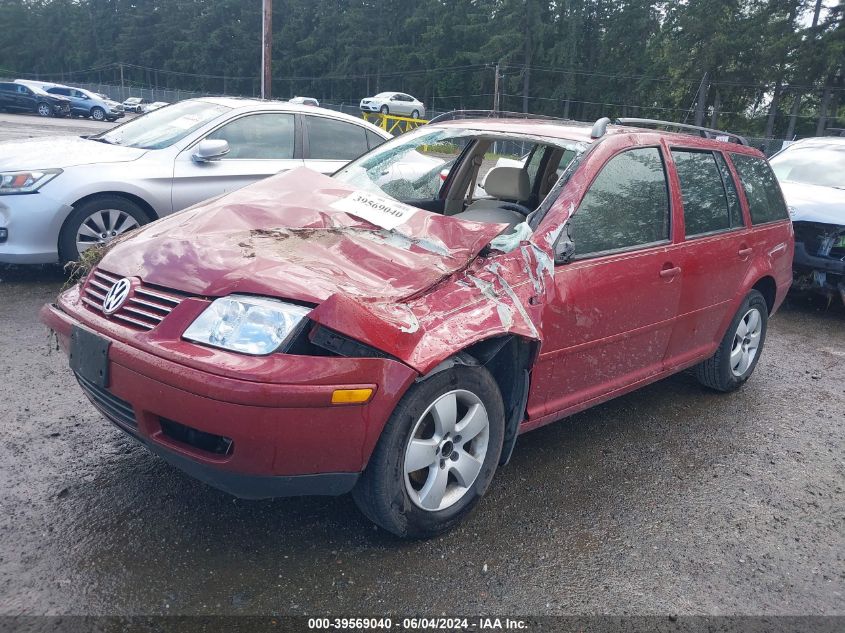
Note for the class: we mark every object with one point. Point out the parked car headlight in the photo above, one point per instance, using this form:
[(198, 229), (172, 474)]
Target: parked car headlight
[(25, 181), (251, 325)]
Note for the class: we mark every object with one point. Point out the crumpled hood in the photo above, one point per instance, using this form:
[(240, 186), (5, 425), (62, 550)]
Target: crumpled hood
[(299, 235), (814, 203), (62, 151)]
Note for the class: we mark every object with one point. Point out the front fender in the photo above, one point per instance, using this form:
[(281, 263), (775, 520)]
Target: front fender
[(494, 296)]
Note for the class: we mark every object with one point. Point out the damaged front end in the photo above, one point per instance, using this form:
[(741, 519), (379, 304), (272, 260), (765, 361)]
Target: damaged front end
[(819, 262)]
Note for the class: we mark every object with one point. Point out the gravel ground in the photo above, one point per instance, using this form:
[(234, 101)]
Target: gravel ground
[(669, 500), (23, 126)]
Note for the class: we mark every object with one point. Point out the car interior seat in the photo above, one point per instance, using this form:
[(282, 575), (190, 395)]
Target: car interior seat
[(510, 188)]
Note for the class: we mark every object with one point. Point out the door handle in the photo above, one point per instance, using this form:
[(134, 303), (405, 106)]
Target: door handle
[(668, 273), (745, 252)]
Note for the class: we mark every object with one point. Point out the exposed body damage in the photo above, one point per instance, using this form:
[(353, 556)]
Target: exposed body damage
[(498, 293)]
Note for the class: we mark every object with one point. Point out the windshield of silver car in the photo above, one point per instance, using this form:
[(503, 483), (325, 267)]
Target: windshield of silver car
[(163, 127)]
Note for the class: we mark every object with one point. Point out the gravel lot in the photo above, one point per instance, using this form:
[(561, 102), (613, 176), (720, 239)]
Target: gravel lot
[(669, 500)]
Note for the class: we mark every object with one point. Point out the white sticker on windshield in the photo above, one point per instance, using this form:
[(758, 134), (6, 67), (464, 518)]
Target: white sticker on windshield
[(383, 212)]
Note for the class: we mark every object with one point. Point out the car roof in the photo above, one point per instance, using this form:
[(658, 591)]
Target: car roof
[(578, 131), (818, 141), (246, 104)]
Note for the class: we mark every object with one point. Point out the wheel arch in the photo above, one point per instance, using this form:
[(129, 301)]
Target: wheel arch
[(767, 287), (146, 207), (509, 359)]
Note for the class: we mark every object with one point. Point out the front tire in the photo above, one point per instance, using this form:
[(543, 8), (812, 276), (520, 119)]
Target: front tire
[(437, 454), (740, 349), (97, 222), (384, 109), (44, 109), (98, 114)]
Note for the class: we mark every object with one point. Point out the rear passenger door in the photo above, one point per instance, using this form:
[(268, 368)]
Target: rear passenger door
[(329, 144), (609, 323), (715, 254)]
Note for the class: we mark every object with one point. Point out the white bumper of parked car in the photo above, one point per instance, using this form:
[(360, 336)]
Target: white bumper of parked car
[(29, 228), (370, 106)]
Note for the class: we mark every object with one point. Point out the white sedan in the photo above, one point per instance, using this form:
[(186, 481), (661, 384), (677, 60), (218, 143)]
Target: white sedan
[(396, 103)]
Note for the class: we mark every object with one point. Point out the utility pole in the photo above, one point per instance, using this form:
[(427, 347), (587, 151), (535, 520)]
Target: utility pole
[(496, 89), (122, 92), (267, 49)]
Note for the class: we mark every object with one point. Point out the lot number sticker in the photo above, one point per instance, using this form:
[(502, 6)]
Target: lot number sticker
[(384, 212)]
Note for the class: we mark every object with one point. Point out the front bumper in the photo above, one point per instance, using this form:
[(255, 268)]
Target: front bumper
[(819, 260), (286, 436), (370, 107), (32, 222), (61, 109)]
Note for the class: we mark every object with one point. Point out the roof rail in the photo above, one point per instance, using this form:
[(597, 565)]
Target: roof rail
[(705, 132), (490, 114)]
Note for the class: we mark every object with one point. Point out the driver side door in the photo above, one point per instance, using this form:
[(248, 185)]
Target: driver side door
[(260, 145)]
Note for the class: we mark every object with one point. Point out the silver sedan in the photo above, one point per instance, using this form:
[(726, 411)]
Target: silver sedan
[(59, 196)]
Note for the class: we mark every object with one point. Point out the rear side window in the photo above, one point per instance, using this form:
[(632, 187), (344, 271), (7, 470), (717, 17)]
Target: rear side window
[(706, 205), (626, 206), (765, 201), (334, 140), (730, 189)]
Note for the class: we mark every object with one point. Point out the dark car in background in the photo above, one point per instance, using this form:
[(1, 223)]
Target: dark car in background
[(16, 97)]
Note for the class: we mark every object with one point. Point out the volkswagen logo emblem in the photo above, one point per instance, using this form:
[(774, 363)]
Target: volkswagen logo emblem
[(115, 297)]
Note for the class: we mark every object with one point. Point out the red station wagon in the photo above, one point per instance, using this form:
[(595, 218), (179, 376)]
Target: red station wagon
[(390, 332)]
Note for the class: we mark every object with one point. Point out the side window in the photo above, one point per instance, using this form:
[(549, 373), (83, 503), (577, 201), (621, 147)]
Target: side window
[(259, 136), (703, 192), (765, 200), (334, 140), (373, 139), (626, 206)]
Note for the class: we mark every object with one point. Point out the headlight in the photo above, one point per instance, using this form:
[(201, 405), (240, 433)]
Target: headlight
[(25, 181), (251, 325)]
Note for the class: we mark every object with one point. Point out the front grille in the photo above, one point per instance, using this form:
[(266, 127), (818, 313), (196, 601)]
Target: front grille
[(115, 409), (143, 310)]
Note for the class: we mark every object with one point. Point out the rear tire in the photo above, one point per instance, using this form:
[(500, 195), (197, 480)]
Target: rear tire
[(740, 349), (415, 114), (426, 430)]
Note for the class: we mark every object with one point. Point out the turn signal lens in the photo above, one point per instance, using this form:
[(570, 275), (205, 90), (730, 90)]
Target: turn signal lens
[(351, 396)]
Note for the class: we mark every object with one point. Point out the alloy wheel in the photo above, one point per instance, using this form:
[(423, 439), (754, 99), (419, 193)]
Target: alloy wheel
[(43, 109), (101, 227), (446, 450), (746, 342)]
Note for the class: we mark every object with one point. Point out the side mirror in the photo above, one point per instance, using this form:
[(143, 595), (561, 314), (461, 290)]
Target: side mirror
[(564, 247), (209, 150)]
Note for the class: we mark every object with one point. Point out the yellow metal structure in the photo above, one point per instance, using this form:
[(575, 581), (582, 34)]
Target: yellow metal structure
[(393, 124)]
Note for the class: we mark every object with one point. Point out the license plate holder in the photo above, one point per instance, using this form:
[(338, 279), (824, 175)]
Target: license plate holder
[(89, 356)]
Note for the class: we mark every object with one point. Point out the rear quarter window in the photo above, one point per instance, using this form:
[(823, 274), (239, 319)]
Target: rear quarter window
[(765, 200)]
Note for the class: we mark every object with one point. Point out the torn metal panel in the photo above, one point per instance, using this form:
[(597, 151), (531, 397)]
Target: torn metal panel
[(497, 294)]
